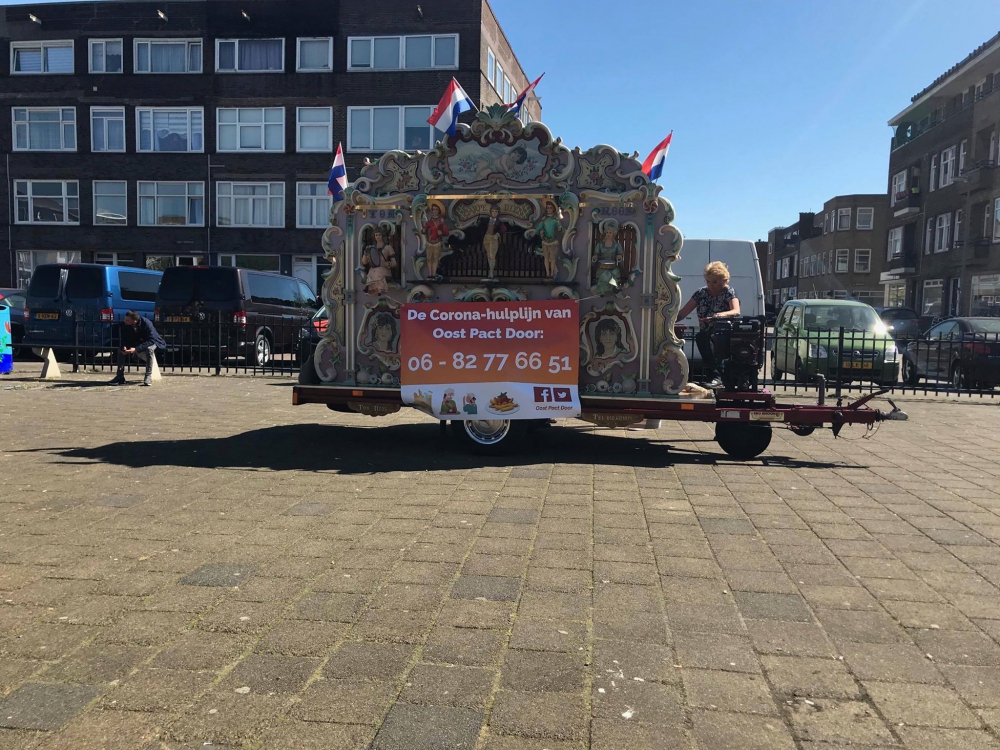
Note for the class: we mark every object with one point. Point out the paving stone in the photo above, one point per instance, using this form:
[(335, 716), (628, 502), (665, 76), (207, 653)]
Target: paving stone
[(863, 627), (717, 730), (106, 730), (97, 663), (890, 663), (921, 705), (349, 701), (921, 738), (486, 587), (548, 635), (470, 647), (44, 706), (158, 690), (468, 613), (120, 501), (712, 651), (783, 607), (728, 691), (369, 661), (301, 638), (809, 677), (790, 638), (197, 650), (826, 720), (428, 728), (557, 716), (618, 734), (310, 509), (959, 647), (533, 671), (219, 574), (978, 686), (512, 515), (227, 718), (309, 735), (267, 674), (436, 685)]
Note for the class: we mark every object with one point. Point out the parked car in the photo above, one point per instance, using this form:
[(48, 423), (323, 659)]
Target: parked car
[(261, 313), (94, 297), (807, 342), (770, 314), (310, 335), (903, 323), (964, 351), (13, 300)]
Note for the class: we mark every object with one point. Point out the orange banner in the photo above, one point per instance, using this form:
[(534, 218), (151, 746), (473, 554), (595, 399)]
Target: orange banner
[(481, 360)]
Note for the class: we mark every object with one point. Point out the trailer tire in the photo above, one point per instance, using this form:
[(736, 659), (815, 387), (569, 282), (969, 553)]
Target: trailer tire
[(308, 374), (488, 437), (743, 440)]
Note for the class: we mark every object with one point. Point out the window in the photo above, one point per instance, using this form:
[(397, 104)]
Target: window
[(250, 129), (33, 58), (498, 77), (934, 172), (110, 203), (249, 55), (256, 262), (46, 202), (119, 259), (403, 52), (387, 128), (107, 129), (842, 259), (171, 204), (957, 232), (898, 187), (862, 261), (44, 128), (866, 218), (314, 55), (167, 129), (314, 131), (986, 292), (273, 290), (963, 152), (250, 204), (167, 56), (943, 233), (770, 273), (770, 248), (895, 248), (105, 55), (312, 205), (932, 297), (491, 65), (843, 219), (929, 237), (137, 286), (947, 165), (996, 219)]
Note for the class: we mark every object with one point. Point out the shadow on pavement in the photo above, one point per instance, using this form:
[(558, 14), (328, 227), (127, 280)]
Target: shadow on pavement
[(410, 447)]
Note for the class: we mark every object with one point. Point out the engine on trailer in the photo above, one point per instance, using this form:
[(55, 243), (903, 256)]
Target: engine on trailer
[(739, 349)]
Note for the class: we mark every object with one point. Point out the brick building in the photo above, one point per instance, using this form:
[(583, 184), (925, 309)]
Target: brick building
[(202, 131), (781, 275), (943, 241)]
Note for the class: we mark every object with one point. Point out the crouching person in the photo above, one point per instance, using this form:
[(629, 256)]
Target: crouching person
[(139, 337)]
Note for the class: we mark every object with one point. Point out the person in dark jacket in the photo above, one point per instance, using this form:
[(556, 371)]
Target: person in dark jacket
[(139, 337)]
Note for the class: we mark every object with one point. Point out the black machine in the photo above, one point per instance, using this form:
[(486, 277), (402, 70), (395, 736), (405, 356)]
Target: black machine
[(739, 349)]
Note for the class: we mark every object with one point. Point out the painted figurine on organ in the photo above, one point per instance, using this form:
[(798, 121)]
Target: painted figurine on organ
[(435, 232)]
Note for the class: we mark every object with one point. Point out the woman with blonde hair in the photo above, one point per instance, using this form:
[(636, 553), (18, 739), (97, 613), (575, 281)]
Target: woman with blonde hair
[(715, 301)]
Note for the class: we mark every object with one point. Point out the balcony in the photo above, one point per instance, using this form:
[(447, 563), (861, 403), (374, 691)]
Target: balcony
[(899, 266), (979, 247), (906, 203), (978, 177)]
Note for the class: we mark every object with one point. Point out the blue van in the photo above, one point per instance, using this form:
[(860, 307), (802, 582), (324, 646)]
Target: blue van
[(93, 296)]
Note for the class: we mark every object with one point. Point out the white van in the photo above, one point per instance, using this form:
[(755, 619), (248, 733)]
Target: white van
[(740, 256)]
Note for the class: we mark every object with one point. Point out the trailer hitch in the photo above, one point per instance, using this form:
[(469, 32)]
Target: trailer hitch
[(896, 415)]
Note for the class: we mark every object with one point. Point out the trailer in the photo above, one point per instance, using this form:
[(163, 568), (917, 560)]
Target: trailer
[(503, 280)]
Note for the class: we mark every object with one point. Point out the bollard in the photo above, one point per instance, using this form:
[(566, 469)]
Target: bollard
[(50, 368)]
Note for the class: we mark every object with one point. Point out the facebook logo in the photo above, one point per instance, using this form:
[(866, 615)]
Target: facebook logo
[(553, 394)]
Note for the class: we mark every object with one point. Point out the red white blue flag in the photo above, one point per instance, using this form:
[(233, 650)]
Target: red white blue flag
[(454, 102), (338, 176), (653, 166), (516, 106)]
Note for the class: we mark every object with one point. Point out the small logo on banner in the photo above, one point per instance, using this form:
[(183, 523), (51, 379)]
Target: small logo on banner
[(553, 394)]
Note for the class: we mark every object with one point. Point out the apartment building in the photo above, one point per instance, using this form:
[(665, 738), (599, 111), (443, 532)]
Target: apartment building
[(781, 274), (943, 238), (201, 132)]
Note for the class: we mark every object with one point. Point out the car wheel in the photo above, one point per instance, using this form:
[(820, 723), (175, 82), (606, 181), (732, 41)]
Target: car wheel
[(800, 372), (959, 380), (262, 350), (910, 374), (776, 374)]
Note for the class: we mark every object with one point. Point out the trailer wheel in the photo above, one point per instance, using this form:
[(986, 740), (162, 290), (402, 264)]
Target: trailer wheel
[(743, 440), (488, 437), (307, 372)]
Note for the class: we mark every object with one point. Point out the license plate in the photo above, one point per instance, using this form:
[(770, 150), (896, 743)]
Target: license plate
[(178, 318), (858, 365), (46, 316), (767, 416)]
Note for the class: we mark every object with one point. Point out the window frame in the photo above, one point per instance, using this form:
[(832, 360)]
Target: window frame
[(942, 232), (236, 70), (371, 121), (31, 197), (238, 125), (312, 199), (947, 176), (90, 56), (231, 197), (93, 202), (842, 212), (963, 153), (187, 41), (491, 64), (27, 123), (41, 45), (843, 255), (188, 197), (871, 218), (996, 219), (298, 54), (896, 233), (894, 194), (298, 133), (934, 173), (188, 110), (124, 147), (868, 259), (401, 63), (956, 226)]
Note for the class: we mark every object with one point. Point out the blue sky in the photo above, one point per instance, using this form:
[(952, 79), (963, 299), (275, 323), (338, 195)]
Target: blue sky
[(776, 105)]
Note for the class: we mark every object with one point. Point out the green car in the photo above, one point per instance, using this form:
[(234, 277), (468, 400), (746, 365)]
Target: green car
[(807, 342)]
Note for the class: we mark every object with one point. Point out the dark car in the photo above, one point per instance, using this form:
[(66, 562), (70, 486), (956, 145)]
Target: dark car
[(901, 322), (14, 300), (310, 335), (238, 312), (770, 314), (964, 351)]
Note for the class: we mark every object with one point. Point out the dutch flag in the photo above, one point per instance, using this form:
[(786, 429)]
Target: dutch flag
[(653, 166), (519, 102), (454, 102), (338, 176)]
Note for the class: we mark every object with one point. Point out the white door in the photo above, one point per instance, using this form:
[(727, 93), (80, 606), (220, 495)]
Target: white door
[(304, 267)]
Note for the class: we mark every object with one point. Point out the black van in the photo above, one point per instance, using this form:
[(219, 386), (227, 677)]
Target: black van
[(258, 314)]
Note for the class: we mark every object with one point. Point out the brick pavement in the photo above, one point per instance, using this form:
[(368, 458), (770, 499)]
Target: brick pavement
[(201, 565)]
